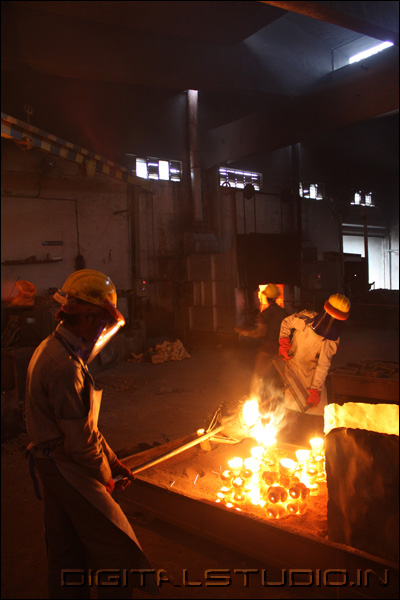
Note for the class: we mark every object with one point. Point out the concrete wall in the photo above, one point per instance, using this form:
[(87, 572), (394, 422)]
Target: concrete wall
[(163, 217), (213, 280), (260, 214), (139, 234), (394, 257), (320, 225), (126, 234), (63, 205)]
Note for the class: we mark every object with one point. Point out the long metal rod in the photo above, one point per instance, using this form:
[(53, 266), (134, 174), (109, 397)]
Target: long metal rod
[(163, 457)]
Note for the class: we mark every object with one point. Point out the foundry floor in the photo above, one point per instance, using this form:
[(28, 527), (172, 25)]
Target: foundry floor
[(142, 404)]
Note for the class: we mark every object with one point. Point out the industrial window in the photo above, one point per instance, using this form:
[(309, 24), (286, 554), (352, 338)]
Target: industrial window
[(239, 179), (363, 199), (311, 190), (155, 168)]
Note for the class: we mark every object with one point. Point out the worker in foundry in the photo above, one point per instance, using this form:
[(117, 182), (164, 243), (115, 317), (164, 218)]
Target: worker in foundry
[(307, 343), (85, 526), (267, 331)]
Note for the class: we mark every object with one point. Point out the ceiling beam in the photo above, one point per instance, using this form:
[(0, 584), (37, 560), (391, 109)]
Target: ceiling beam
[(365, 93), (321, 12), (28, 137)]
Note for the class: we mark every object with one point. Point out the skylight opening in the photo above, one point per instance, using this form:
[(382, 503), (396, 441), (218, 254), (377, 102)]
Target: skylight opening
[(367, 53)]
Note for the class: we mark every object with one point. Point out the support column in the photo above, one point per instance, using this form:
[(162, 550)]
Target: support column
[(134, 218), (195, 171), (366, 250)]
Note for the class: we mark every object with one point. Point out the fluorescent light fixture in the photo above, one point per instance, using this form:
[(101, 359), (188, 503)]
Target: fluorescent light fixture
[(370, 52)]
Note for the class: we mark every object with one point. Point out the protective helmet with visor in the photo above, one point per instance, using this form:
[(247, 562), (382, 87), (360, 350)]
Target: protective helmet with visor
[(328, 324), (91, 292)]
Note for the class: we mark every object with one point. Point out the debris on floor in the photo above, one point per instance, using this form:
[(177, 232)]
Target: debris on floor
[(167, 351)]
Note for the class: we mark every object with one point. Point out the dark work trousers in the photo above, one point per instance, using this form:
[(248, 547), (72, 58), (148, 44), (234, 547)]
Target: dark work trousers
[(79, 537)]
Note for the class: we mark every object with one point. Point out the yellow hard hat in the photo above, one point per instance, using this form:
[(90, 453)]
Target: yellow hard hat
[(271, 291), (338, 307), (93, 287)]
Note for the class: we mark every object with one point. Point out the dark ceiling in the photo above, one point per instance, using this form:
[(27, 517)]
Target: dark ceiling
[(112, 76)]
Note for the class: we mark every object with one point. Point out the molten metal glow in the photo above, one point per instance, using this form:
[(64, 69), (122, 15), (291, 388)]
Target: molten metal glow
[(302, 455), (251, 414), (278, 485), (253, 464), (257, 452), (317, 445), (255, 496), (236, 463), (287, 466), (257, 427), (265, 434)]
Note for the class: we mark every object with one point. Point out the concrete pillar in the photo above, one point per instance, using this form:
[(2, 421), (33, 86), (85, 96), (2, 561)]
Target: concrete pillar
[(195, 171)]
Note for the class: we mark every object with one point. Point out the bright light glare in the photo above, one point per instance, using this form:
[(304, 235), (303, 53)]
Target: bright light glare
[(370, 52), (236, 463), (164, 169), (250, 412), (141, 168)]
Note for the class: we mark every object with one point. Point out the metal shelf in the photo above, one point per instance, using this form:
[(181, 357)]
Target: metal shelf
[(30, 262)]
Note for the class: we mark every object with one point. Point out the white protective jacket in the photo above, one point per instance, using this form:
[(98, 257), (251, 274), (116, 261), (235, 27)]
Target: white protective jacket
[(311, 357)]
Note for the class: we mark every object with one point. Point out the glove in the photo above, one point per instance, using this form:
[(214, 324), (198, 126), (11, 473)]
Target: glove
[(284, 348), (314, 398), (110, 486), (119, 469)]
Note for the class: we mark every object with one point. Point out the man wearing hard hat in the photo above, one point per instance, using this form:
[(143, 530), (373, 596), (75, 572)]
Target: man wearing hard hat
[(267, 331), (307, 343), (85, 528)]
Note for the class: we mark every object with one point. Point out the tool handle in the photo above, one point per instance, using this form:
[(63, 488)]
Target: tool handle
[(155, 461), (119, 478)]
